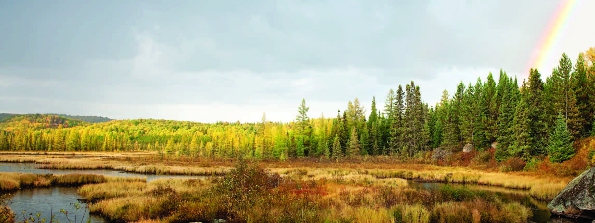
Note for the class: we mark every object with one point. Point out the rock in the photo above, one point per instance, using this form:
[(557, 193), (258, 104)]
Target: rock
[(440, 154), (577, 199), (468, 148), (495, 145)]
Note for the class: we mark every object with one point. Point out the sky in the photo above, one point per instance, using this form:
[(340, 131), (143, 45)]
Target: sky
[(226, 60)]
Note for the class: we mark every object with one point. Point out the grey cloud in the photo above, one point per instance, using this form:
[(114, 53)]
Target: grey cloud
[(251, 53)]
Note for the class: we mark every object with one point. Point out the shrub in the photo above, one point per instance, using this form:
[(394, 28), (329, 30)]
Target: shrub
[(450, 212), (411, 214), (512, 164), (532, 164)]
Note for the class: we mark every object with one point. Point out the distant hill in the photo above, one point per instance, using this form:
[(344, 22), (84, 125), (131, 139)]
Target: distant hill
[(86, 118), (38, 121)]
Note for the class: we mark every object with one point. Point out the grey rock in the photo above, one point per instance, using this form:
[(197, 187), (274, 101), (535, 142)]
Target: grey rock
[(468, 148), (577, 199)]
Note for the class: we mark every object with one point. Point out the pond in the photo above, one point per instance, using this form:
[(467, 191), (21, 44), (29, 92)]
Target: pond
[(32, 168), (48, 200), (538, 207), (52, 200)]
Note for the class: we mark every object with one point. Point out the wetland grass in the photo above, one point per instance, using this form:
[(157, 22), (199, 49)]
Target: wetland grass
[(251, 193)]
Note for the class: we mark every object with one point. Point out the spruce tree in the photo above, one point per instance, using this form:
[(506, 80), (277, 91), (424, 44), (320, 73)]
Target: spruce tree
[(354, 146), (521, 145), (534, 97), (490, 100), (506, 117), (336, 150), (395, 140), (374, 135), (583, 92), (560, 144)]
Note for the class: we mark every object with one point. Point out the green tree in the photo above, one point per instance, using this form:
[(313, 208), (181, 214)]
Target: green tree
[(583, 90), (506, 117), (521, 145), (396, 131), (354, 145), (534, 96), (560, 144), (337, 150), (303, 129), (375, 135)]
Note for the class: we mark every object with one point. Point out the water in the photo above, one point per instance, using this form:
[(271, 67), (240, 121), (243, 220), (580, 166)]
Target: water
[(539, 208), (43, 199), (32, 168), (46, 201), (52, 200)]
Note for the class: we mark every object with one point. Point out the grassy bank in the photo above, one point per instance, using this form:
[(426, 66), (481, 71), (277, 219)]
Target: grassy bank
[(250, 193), (543, 186), (16, 181)]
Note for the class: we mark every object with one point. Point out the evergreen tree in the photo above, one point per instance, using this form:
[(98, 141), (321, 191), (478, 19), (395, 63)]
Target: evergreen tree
[(534, 96), (560, 144), (521, 144), (395, 140), (490, 99), (506, 117), (364, 141), (389, 104), (562, 95), (303, 129), (354, 146), (374, 138), (583, 92), (337, 150)]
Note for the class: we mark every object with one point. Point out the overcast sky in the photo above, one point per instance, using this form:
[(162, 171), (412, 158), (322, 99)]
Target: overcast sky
[(233, 60)]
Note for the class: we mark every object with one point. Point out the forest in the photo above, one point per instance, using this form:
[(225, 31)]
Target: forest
[(526, 119)]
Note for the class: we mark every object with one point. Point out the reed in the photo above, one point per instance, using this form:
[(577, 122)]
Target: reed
[(15, 181)]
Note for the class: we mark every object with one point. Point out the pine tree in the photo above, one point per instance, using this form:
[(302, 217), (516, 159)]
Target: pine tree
[(374, 138), (521, 144), (303, 129), (395, 140), (490, 98), (562, 97), (354, 146), (534, 96), (583, 92), (506, 117), (337, 150), (560, 144), (364, 141)]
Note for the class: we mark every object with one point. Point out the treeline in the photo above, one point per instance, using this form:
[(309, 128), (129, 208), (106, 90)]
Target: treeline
[(527, 119), (86, 118)]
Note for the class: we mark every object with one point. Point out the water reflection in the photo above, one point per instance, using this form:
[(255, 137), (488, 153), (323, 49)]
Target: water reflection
[(48, 201), (539, 208), (32, 168)]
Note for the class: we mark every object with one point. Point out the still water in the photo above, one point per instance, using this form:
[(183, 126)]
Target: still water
[(52, 200), (49, 201), (46, 200)]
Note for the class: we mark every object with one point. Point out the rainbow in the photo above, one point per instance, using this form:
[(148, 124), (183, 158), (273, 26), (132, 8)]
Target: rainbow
[(551, 33)]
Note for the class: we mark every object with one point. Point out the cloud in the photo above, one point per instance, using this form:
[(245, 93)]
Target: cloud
[(229, 60)]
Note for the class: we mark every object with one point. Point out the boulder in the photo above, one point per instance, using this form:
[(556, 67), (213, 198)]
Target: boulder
[(440, 154), (468, 148), (577, 199)]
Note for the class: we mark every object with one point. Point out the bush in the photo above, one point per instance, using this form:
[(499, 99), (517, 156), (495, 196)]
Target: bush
[(411, 214), (512, 164), (451, 212), (532, 164)]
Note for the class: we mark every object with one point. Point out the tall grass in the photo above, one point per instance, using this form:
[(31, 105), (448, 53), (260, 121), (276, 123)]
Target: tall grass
[(251, 193), (15, 181)]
